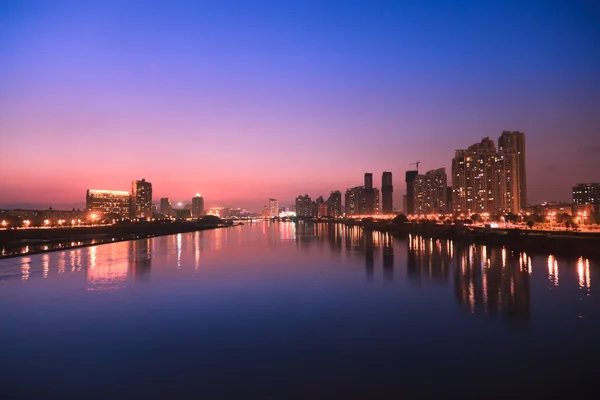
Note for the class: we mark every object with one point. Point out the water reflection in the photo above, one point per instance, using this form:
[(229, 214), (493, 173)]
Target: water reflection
[(140, 259), (492, 281), (430, 259)]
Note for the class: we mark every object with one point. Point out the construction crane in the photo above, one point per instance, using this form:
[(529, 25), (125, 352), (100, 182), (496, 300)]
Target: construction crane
[(417, 164)]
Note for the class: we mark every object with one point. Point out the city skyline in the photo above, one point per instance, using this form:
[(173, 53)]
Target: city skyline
[(216, 99)]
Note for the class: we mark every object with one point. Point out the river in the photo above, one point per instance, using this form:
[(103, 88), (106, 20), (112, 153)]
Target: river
[(284, 310)]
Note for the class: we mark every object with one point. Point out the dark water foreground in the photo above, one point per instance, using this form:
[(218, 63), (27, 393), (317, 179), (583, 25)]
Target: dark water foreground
[(277, 310)]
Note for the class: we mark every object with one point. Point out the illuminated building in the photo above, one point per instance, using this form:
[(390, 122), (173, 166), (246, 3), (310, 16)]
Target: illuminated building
[(587, 194), (352, 200), (334, 204), (303, 206), (489, 181), (387, 194), (430, 192), (273, 208), (197, 206), (141, 199), (108, 202), (409, 205), (166, 208), (512, 146)]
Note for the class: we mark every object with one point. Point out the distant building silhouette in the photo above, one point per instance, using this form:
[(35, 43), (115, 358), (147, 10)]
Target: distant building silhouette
[(166, 208), (141, 199), (108, 202), (334, 204), (410, 192), (387, 189), (197, 206)]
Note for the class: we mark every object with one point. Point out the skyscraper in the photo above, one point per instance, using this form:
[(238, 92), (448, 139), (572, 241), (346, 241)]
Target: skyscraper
[(368, 180), (334, 204), (273, 208), (430, 192), (197, 206), (409, 205), (303, 206), (488, 181), (141, 199), (514, 143), (387, 189), (352, 200)]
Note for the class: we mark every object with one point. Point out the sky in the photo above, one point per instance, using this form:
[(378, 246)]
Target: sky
[(246, 100)]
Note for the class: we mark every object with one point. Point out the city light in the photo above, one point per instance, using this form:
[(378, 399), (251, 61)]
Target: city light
[(3, 223), (46, 222)]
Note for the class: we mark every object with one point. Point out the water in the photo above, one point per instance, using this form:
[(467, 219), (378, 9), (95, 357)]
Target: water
[(277, 310)]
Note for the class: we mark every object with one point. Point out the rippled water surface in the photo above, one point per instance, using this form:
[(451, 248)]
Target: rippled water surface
[(283, 310)]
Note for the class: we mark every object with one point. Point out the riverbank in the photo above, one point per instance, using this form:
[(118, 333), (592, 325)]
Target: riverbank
[(560, 243), (21, 242)]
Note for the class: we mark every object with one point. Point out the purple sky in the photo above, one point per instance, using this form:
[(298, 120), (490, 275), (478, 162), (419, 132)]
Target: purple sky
[(242, 101)]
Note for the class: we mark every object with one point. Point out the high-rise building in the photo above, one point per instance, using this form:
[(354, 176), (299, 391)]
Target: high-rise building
[(587, 194), (106, 202), (303, 206), (387, 189), (430, 192), (352, 200), (473, 179), (197, 206), (273, 208), (488, 181), (368, 180), (141, 199), (514, 143), (409, 207), (166, 208), (334, 204)]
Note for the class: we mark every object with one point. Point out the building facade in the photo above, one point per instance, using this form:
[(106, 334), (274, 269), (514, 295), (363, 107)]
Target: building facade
[(387, 193), (106, 202), (303, 206), (141, 199), (197, 210), (487, 181), (430, 192), (273, 208), (409, 204), (334, 204), (587, 193)]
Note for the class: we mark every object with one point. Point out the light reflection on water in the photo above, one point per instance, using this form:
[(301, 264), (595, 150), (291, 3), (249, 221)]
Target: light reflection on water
[(302, 290)]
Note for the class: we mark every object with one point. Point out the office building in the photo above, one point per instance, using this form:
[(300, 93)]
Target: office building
[(387, 193), (430, 192), (166, 208), (197, 210), (334, 204), (409, 206), (273, 208), (303, 206), (104, 202), (141, 199)]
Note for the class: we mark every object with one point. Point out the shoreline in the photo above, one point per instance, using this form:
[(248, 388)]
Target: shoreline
[(63, 239)]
